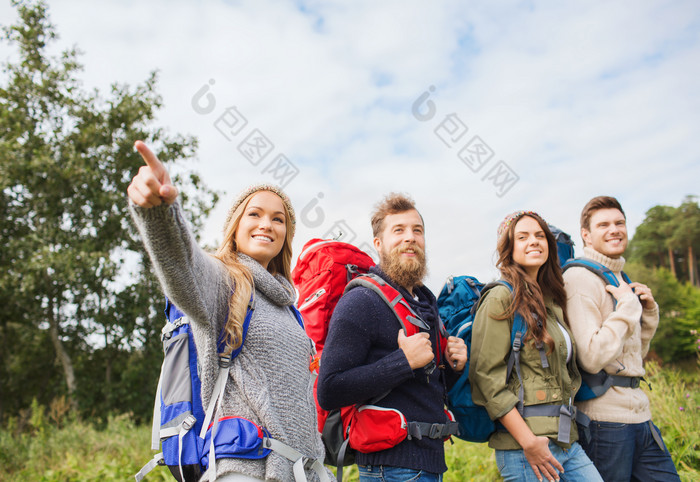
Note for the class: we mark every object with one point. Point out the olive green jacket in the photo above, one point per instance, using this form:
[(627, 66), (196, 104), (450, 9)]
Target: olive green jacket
[(491, 346)]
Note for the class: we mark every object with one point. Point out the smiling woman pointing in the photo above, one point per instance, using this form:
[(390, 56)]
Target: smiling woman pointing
[(269, 384)]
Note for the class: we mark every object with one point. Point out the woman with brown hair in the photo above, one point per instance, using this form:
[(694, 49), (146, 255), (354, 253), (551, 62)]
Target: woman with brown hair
[(269, 383), (533, 399)]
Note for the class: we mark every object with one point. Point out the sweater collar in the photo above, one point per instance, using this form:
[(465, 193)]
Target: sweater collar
[(274, 287), (615, 265)]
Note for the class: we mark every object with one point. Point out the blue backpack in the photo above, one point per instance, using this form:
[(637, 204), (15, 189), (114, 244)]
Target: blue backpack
[(565, 245), (594, 385), (457, 306), (183, 426)]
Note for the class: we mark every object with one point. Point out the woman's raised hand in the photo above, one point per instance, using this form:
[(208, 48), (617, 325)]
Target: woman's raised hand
[(151, 186)]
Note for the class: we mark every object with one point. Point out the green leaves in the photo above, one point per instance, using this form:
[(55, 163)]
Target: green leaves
[(669, 237), (69, 256), (663, 256)]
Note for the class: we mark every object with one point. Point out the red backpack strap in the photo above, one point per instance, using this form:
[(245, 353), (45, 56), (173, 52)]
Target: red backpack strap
[(407, 318)]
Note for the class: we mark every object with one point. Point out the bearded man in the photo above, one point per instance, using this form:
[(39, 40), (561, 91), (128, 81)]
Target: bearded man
[(367, 358)]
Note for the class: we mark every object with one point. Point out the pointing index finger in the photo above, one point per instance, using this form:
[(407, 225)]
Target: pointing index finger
[(152, 161)]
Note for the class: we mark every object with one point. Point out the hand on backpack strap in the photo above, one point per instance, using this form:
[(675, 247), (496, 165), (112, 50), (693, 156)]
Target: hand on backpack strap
[(619, 291), (456, 353), (151, 186), (417, 349), (645, 295)]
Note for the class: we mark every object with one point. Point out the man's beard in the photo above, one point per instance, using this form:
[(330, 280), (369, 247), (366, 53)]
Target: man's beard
[(407, 272)]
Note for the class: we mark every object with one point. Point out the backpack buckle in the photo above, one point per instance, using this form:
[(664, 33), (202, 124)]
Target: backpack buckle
[(224, 361), (642, 379), (435, 430), (430, 367), (517, 343), (188, 422), (308, 463)]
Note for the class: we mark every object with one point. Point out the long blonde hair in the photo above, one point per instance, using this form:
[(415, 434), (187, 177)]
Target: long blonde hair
[(240, 277)]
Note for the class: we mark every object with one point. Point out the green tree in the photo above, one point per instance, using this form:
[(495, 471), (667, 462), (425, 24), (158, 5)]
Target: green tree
[(72, 274), (686, 235), (650, 243), (669, 237), (679, 311)]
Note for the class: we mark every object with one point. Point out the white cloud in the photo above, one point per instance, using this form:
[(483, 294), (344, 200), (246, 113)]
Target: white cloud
[(578, 99)]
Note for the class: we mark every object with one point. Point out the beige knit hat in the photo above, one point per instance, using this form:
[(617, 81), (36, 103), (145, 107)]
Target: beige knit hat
[(511, 218), (263, 187)]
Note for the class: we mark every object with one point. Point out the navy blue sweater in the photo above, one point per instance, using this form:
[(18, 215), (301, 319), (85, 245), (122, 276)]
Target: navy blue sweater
[(361, 360)]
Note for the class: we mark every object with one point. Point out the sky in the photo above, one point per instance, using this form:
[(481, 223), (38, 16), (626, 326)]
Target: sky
[(473, 108)]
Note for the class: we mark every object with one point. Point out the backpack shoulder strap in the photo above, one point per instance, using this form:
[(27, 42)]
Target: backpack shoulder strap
[(297, 315), (595, 267), (221, 343), (599, 269), (221, 379), (441, 328), (407, 318), (517, 334), (519, 325), (224, 364)]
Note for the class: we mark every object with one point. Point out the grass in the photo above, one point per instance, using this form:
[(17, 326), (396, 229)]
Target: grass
[(74, 451), (675, 404), (48, 445)]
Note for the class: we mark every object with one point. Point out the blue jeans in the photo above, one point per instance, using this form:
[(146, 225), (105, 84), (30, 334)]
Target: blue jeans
[(624, 452), (386, 473), (513, 465)]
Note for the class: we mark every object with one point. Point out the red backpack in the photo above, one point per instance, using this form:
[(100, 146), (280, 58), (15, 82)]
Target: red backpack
[(325, 270)]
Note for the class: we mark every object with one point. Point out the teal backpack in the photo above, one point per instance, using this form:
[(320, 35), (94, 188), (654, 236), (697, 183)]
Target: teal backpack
[(457, 304)]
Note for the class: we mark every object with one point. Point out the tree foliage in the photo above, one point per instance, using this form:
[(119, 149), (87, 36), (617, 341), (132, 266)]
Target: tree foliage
[(669, 237), (79, 297), (663, 255), (679, 312)]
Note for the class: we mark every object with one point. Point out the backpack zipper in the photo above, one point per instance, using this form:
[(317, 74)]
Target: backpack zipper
[(462, 328), (310, 300), (404, 424)]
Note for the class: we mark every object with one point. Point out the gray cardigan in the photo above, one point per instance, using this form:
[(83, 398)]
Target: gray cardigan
[(269, 382)]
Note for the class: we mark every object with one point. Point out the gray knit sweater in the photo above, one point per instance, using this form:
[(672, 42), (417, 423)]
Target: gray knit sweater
[(269, 382)]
